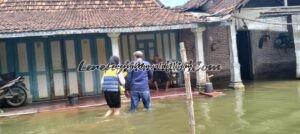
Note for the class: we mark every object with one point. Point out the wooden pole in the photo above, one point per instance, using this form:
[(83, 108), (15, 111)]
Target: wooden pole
[(189, 94)]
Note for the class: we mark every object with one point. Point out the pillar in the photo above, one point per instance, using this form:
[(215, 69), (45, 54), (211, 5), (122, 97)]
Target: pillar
[(285, 3), (296, 33), (114, 37), (200, 75), (235, 77)]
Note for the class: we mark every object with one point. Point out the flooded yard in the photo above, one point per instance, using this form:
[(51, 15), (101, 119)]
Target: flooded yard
[(263, 108)]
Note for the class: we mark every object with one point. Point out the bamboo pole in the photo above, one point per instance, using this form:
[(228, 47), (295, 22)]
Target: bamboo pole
[(189, 94)]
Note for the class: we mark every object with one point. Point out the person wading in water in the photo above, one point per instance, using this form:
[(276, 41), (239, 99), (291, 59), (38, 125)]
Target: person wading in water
[(111, 82), (138, 82)]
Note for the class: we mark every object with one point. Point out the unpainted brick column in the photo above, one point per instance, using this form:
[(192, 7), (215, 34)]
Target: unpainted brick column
[(235, 78), (114, 37), (200, 75)]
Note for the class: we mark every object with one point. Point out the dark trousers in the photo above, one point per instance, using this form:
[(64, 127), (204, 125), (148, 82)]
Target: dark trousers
[(136, 96), (113, 99)]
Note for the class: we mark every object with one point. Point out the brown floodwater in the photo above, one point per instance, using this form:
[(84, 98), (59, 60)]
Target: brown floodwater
[(263, 108)]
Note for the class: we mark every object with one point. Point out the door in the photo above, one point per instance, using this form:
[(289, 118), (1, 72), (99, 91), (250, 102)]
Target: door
[(87, 55), (70, 67), (245, 54), (92, 50), (102, 55), (57, 70), (22, 66), (148, 48), (40, 68), (66, 53)]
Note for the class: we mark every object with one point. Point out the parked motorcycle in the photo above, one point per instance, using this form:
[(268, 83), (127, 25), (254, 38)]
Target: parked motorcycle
[(13, 90)]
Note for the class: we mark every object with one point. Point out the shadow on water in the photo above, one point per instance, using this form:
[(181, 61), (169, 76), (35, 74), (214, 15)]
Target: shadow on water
[(266, 107)]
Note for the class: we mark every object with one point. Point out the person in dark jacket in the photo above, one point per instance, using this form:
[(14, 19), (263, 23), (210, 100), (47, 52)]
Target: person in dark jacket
[(138, 82)]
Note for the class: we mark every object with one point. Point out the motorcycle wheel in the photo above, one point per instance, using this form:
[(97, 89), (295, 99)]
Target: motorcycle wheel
[(19, 97)]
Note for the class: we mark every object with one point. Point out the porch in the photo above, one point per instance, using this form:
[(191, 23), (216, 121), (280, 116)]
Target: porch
[(47, 40), (49, 63)]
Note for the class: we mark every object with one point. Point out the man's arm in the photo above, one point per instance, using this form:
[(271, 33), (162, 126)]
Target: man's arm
[(128, 80), (150, 74), (121, 79)]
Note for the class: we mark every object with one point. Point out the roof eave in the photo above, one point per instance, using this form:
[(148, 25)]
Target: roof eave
[(99, 30)]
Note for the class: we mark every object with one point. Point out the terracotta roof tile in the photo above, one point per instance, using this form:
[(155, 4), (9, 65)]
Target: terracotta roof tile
[(224, 7), (219, 7), (193, 4), (50, 15)]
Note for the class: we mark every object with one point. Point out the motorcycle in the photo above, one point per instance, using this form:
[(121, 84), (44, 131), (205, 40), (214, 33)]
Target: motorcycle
[(13, 90)]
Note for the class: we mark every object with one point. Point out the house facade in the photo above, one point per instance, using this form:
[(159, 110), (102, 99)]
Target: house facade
[(44, 41), (266, 36), (271, 41)]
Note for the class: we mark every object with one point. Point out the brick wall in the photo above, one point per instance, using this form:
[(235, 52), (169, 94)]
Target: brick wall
[(216, 46), (270, 62), (216, 51), (187, 36)]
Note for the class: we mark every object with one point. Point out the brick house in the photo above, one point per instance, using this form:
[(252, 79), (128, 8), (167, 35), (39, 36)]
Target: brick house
[(45, 40), (249, 16), (265, 59), (217, 38)]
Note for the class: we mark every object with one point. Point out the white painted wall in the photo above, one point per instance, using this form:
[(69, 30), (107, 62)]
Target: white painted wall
[(254, 14)]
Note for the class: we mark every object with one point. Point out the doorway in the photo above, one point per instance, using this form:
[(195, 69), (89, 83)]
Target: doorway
[(148, 48), (245, 55)]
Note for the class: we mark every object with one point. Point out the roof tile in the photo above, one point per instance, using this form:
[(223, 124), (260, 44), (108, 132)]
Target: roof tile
[(44, 15)]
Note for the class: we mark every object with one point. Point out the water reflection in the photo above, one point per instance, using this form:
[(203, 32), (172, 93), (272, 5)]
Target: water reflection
[(256, 110), (239, 109), (298, 89), (206, 123), (206, 108)]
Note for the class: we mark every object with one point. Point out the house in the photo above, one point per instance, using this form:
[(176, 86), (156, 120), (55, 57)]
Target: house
[(272, 45), (45, 40), (219, 38), (266, 35)]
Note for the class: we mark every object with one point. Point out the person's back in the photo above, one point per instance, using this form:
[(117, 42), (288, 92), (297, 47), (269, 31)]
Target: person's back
[(138, 80), (111, 81)]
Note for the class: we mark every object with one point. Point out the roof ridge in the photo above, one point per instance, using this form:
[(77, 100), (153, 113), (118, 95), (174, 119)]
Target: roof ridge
[(11, 5)]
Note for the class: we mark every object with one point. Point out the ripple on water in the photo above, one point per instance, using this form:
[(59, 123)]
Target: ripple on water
[(264, 107)]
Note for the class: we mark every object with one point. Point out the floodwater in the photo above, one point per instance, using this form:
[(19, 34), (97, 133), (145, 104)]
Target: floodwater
[(263, 108)]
